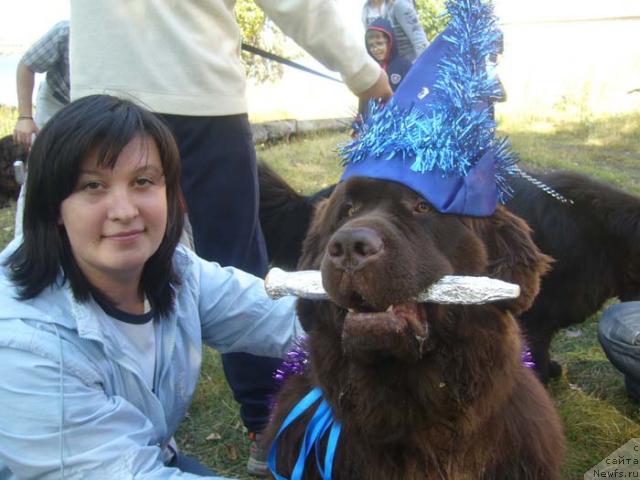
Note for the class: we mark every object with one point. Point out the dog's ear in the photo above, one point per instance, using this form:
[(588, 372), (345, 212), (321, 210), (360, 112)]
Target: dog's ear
[(317, 236), (513, 257)]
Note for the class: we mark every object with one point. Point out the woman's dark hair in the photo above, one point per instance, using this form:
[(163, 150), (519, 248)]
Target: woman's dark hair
[(95, 124)]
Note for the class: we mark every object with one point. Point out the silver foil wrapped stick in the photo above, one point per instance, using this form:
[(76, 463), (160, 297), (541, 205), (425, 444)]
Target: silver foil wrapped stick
[(449, 289)]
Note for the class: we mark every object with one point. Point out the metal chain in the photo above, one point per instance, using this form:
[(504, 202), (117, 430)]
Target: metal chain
[(515, 170)]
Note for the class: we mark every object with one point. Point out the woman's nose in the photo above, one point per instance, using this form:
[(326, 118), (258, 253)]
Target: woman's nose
[(122, 205)]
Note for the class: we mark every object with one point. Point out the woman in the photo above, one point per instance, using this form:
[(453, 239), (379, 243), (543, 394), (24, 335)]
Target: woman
[(406, 25), (102, 317)]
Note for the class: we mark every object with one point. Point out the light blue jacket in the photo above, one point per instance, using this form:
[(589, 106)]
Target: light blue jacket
[(72, 403)]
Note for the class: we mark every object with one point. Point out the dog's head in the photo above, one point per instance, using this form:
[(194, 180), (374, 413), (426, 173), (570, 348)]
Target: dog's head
[(378, 244)]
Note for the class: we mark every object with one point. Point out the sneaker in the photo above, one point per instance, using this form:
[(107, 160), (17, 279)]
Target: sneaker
[(257, 463)]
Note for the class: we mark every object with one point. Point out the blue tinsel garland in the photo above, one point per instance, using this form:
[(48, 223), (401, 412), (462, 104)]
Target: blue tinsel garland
[(454, 134), (296, 361)]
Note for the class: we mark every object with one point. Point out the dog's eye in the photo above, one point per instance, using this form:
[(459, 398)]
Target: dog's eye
[(349, 209), (421, 207)]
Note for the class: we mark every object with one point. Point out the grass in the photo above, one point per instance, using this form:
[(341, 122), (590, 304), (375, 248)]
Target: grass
[(605, 147), (596, 413), (6, 225), (309, 163)]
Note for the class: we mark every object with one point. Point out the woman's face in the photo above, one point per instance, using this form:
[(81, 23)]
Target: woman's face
[(116, 218)]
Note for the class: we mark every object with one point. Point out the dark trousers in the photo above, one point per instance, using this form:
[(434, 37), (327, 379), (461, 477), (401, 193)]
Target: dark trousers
[(188, 464), (619, 335), (220, 185)]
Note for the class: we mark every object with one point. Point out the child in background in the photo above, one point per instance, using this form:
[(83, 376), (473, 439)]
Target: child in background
[(411, 39), (381, 45)]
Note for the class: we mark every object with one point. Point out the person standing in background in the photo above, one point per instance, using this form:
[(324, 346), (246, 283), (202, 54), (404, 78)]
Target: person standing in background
[(50, 55), (182, 60), (402, 14)]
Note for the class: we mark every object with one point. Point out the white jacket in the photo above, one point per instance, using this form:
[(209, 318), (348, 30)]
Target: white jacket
[(70, 396), (183, 57)]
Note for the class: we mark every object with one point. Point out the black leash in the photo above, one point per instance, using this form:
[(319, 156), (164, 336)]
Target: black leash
[(285, 61)]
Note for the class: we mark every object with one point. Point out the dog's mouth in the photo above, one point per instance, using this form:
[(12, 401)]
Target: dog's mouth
[(399, 331)]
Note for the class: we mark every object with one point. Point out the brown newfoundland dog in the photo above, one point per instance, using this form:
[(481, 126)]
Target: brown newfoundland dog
[(423, 391)]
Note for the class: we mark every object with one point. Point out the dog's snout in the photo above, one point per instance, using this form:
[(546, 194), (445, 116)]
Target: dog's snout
[(352, 248)]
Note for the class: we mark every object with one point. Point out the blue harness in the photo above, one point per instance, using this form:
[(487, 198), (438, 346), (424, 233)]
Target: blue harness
[(321, 421)]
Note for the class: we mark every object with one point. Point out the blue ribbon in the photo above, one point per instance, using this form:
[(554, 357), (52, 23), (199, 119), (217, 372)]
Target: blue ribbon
[(321, 421)]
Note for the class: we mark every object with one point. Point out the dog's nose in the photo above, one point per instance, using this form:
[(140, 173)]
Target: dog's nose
[(352, 248)]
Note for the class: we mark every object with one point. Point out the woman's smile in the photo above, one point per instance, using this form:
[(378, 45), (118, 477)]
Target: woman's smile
[(125, 236)]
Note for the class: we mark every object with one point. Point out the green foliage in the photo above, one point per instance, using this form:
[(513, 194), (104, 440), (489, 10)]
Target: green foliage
[(250, 18), (8, 117), (259, 32), (432, 16)]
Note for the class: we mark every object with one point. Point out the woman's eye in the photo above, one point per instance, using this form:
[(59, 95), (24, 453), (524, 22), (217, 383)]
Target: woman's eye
[(143, 181), (91, 186), (150, 178)]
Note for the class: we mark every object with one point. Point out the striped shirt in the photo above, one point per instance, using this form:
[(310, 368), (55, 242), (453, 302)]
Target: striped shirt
[(50, 54)]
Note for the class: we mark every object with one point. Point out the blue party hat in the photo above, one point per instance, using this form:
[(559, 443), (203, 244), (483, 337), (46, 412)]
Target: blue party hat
[(436, 135)]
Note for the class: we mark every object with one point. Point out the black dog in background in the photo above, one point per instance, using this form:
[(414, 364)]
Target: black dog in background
[(285, 216), (595, 242), (9, 153)]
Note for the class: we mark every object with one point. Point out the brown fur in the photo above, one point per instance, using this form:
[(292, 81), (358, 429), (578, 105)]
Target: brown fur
[(457, 405)]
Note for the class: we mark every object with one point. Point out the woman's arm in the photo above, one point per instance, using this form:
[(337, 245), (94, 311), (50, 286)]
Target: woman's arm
[(52, 423), (237, 315), (317, 27)]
